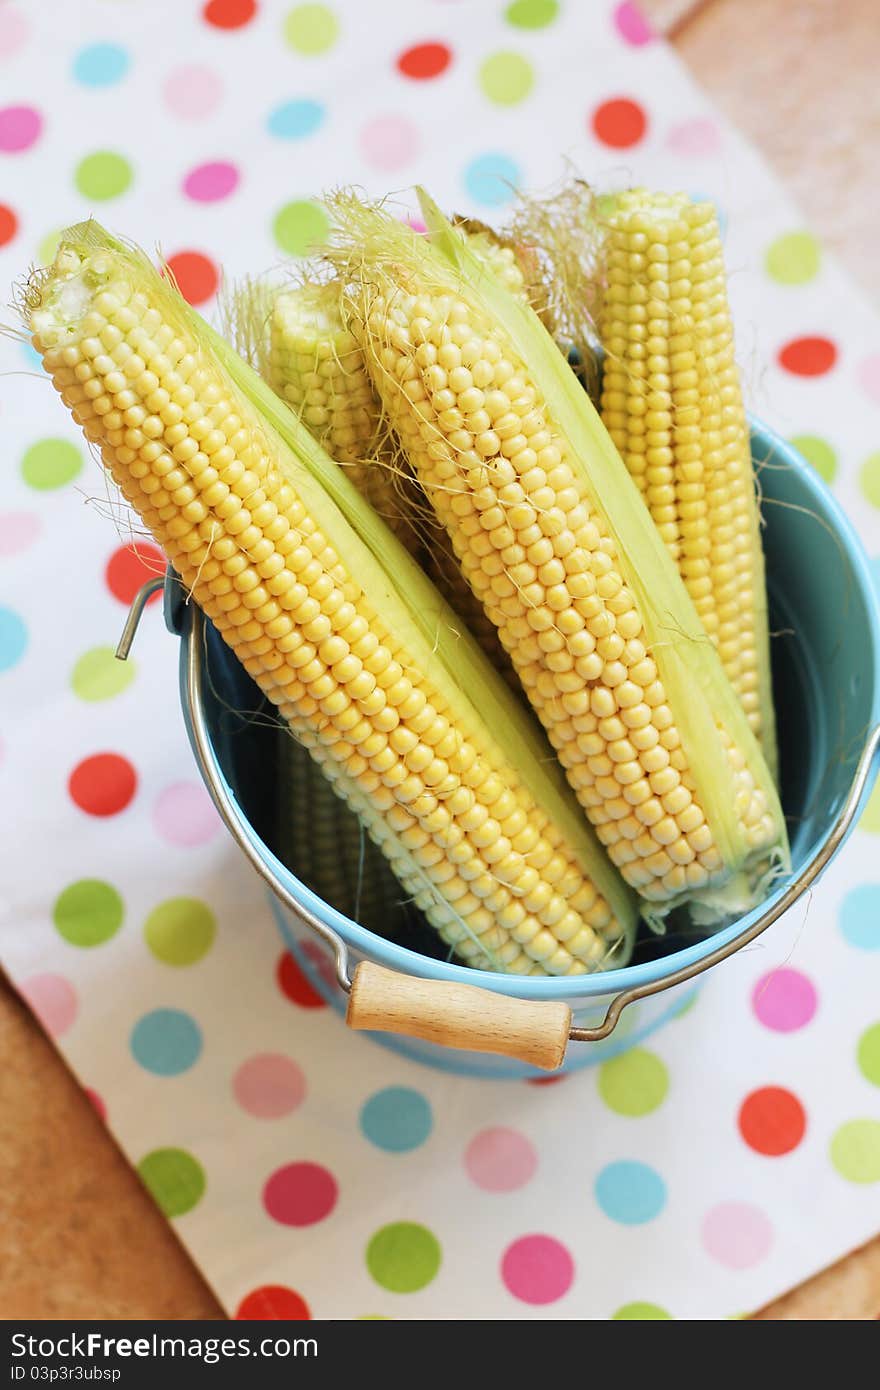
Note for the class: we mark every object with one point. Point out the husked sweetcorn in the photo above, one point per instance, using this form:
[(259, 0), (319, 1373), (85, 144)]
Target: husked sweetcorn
[(673, 405), (332, 618)]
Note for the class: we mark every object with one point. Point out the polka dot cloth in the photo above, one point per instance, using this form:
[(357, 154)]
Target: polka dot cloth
[(310, 1172)]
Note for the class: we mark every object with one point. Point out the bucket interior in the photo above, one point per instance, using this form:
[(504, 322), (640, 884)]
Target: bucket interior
[(824, 678)]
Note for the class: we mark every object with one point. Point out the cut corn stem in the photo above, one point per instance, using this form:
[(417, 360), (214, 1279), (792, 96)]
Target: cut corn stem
[(332, 618), (554, 539), (672, 403)]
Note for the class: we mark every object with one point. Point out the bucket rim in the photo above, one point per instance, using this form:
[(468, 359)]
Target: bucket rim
[(392, 955)]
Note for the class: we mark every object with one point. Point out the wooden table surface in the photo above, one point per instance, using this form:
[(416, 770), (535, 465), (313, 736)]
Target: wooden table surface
[(79, 1238)]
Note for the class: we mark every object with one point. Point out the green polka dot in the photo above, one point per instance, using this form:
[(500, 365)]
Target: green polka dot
[(869, 1054), (88, 912), (300, 227), (99, 675), (869, 479), (403, 1257), (506, 78), (174, 1179), (793, 259), (102, 175), (855, 1151), (48, 246), (641, 1312), (311, 29), (634, 1083), (180, 930), (531, 14), (818, 452), (50, 463), (870, 817)]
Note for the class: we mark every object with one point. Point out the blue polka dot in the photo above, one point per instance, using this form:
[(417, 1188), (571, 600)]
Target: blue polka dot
[(630, 1192), (166, 1042), (31, 356), (491, 179), (860, 917), (295, 119), (875, 573), (100, 65), (396, 1119), (13, 638)]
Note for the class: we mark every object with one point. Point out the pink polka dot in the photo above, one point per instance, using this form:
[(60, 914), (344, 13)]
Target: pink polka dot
[(210, 182), (784, 1000), (737, 1234), (869, 376), (299, 1194), (53, 999), (184, 815), (13, 30), (98, 1103), (20, 126), (18, 531), (193, 92), (632, 26), (537, 1269), (269, 1085), (500, 1160), (698, 138), (389, 142)]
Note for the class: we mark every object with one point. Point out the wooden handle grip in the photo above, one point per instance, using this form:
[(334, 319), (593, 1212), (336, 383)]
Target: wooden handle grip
[(458, 1016)]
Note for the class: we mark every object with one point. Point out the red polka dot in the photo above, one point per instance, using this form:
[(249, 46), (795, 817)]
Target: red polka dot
[(229, 14), (131, 566), (272, 1303), (98, 1103), (299, 1194), (295, 986), (425, 60), (197, 276), (546, 1080), (619, 123), (772, 1121), (8, 224), (808, 356), (102, 785)]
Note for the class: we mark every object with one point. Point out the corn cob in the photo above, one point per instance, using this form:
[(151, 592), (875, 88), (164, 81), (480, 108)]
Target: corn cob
[(323, 844), (312, 362), (554, 539), (496, 254), (331, 616), (672, 403)]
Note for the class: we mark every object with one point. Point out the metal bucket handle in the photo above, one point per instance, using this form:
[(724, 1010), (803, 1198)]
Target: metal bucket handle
[(440, 1011)]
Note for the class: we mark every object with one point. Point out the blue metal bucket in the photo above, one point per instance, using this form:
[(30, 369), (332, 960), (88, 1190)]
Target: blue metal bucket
[(826, 660)]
